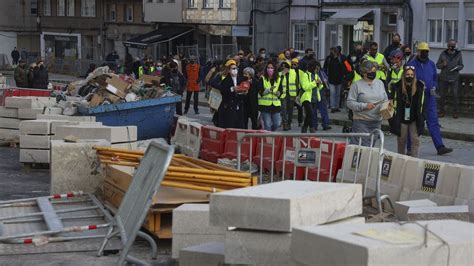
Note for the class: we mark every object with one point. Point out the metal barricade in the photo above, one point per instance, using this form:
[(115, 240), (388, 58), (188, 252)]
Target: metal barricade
[(308, 151), (222, 51)]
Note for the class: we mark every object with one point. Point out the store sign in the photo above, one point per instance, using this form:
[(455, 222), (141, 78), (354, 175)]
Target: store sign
[(65, 38), (240, 31)]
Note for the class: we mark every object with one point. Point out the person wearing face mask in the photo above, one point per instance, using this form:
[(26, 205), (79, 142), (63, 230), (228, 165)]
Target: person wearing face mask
[(289, 81), (146, 69), (176, 81), (408, 118), (365, 99), (308, 83), (262, 53), (407, 55), (251, 99), (395, 45), (318, 99), (425, 70), (269, 92), (379, 59), (336, 71), (295, 65), (308, 55), (450, 63), (192, 85), (158, 68), (231, 110), (396, 70)]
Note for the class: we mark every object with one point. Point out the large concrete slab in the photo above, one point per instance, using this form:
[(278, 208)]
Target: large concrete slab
[(35, 127), (257, 248), (460, 213), (29, 102), (385, 244), (32, 113), (469, 203), (74, 166), (35, 142), (59, 123), (194, 219), (9, 134), (181, 241), (9, 123), (281, 206), (8, 112), (34, 156), (67, 118), (111, 134), (466, 183), (402, 207), (208, 254)]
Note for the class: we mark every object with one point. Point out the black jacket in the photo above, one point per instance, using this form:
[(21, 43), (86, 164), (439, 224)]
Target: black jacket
[(231, 110), (335, 69), (40, 77), (418, 104), (176, 81)]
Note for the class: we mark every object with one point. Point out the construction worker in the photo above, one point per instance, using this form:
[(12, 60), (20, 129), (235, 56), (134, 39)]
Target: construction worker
[(318, 100), (379, 59), (269, 92), (425, 70), (295, 64), (308, 83), (396, 70), (147, 69), (289, 81)]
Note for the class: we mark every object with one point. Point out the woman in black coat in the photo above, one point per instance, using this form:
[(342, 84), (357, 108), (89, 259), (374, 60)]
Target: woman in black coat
[(231, 110), (408, 118)]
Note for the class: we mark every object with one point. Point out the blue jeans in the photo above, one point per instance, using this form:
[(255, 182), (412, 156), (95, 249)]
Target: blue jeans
[(335, 95), (271, 121), (323, 110)]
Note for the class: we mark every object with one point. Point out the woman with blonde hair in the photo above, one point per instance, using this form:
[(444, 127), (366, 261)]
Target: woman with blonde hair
[(408, 118)]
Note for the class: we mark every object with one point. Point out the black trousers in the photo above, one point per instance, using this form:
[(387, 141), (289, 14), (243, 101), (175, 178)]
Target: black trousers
[(308, 115), (300, 113), (188, 100)]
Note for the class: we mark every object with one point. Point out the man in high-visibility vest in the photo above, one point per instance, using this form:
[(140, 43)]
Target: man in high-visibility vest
[(295, 64), (289, 80), (147, 69), (379, 59), (308, 83), (396, 70), (319, 101)]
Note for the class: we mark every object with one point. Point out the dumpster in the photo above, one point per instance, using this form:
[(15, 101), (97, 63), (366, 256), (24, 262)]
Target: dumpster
[(153, 117)]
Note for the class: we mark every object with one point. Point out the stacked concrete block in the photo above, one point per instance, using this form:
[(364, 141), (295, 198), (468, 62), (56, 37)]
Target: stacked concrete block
[(74, 166), (193, 145), (446, 242), (402, 207), (66, 118), (181, 135), (9, 124), (465, 194), (124, 134), (432, 180), (207, 254), (263, 216), (191, 227)]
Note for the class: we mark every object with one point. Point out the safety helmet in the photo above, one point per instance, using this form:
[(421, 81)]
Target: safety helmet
[(230, 62), (295, 60), (423, 46)]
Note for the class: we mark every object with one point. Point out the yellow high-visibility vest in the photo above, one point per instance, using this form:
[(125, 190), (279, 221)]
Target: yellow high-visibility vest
[(379, 61), (270, 98), (291, 82), (141, 71)]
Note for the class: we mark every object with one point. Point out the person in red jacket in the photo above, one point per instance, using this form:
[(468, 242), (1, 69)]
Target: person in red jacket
[(192, 84)]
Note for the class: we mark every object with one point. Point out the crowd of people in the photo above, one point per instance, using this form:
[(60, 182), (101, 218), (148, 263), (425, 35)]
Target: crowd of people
[(33, 76)]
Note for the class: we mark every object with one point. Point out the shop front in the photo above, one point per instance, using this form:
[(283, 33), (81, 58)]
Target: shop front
[(60, 45)]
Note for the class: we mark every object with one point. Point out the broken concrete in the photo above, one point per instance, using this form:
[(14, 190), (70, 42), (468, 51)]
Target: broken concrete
[(34, 156), (402, 207), (66, 118), (111, 134), (32, 113), (35, 142), (9, 123), (384, 244), (74, 166), (281, 206), (35, 127), (194, 219), (257, 248), (206, 254), (8, 112), (181, 241), (460, 213), (29, 102)]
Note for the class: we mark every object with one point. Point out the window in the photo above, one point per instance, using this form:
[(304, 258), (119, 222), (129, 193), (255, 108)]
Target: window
[(88, 8), (434, 30), (299, 36), (191, 4), (171, 1), (47, 8), (442, 23), (158, 1), (111, 12), (470, 32), (61, 8), (451, 30), (34, 7), (392, 19), (70, 5), (224, 3), (207, 4), (129, 13)]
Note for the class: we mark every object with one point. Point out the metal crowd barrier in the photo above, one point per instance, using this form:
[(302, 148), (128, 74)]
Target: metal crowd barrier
[(310, 158)]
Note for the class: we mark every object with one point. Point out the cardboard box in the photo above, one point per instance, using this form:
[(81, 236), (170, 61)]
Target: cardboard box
[(117, 86), (96, 100), (148, 79), (386, 110)]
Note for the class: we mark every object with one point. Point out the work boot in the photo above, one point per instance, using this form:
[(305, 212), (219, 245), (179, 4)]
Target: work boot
[(299, 124), (312, 130), (441, 114), (289, 127), (304, 130), (333, 110), (185, 112), (444, 150), (285, 127), (196, 112), (455, 115), (327, 128)]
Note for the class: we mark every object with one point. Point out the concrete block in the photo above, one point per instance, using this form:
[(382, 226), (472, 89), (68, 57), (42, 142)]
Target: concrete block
[(35, 127), (35, 142), (469, 203), (74, 166), (257, 247), (466, 183), (207, 254), (29, 102), (67, 118), (111, 134), (9, 134), (181, 241), (9, 123), (350, 220), (8, 112), (194, 219), (59, 123), (460, 213), (385, 244), (283, 205), (34, 156), (441, 200), (402, 207), (32, 113)]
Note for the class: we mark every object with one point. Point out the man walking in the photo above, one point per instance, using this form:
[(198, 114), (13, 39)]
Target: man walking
[(425, 70), (15, 56), (192, 86), (333, 66), (450, 63)]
